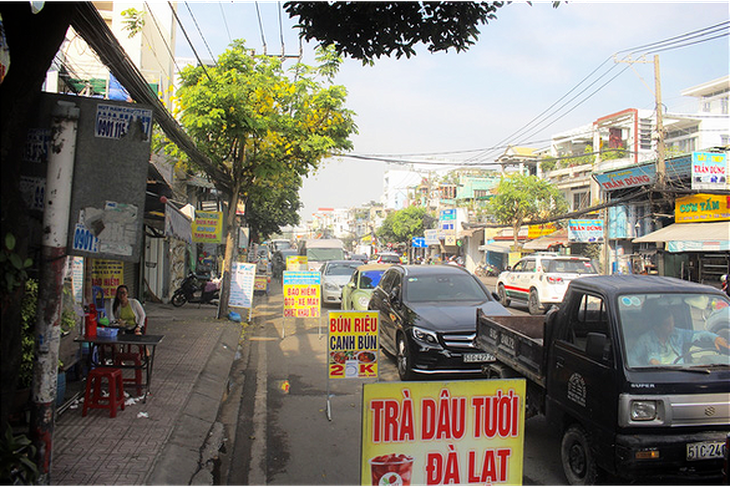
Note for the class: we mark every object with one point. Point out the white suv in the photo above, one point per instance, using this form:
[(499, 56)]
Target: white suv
[(541, 279)]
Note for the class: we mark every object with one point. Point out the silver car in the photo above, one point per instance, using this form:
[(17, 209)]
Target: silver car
[(335, 274)]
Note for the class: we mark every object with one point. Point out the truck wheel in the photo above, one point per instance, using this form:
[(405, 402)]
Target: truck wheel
[(178, 299), (579, 462), (503, 299), (533, 303), (403, 359)]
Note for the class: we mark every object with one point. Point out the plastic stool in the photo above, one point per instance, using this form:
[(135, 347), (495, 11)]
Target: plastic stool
[(121, 358), (116, 391)]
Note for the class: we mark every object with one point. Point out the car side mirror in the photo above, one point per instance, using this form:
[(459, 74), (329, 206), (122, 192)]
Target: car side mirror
[(598, 346), (495, 296), (508, 268)]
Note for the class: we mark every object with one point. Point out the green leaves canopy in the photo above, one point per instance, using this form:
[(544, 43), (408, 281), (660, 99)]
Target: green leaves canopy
[(521, 198), (257, 122), (401, 226)]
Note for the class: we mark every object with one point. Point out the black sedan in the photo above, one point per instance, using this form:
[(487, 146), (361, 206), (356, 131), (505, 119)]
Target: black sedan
[(428, 318)]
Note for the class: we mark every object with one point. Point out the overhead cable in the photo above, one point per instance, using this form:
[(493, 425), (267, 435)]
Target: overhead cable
[(225, 22), (195, 21), (182, 27)]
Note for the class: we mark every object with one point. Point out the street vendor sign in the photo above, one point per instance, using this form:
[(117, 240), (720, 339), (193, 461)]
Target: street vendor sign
[(352, 347), (429, 433), (208, 227), (301, 294)]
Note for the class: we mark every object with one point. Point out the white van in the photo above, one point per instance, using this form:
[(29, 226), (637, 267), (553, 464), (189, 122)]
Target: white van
[(321, 250)]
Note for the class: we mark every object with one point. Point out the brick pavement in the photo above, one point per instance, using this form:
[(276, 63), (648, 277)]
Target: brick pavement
[(190, 373)]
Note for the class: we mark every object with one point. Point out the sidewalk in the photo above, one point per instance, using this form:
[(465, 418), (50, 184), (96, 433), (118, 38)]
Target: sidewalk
[(160, 442)]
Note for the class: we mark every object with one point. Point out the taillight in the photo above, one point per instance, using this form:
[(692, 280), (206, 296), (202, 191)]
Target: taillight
[(554, 280)]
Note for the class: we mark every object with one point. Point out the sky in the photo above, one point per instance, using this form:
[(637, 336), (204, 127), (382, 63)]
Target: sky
[(453, 107)]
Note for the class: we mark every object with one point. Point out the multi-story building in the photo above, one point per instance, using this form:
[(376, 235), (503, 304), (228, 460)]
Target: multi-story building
[(78, 70)]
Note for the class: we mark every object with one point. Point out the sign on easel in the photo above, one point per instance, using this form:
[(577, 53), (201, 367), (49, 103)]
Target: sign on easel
[(439, 433), (301, 294), (352, 347), (243, 275), (297, 263)]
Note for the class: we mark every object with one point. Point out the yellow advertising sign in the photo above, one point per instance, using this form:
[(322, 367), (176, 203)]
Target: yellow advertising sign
[(108, 275), (301, 294), (297, 263), (352, 347), (535, 231), (429, 433), (702, 208), (208, 226)]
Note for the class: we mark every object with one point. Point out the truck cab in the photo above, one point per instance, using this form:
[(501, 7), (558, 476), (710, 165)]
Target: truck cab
[(632, 396)]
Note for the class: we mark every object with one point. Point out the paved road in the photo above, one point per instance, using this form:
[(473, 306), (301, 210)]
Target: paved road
[(276, 420)]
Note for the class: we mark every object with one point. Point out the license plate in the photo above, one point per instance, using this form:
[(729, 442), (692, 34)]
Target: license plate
[(473, 358), (704, 450)]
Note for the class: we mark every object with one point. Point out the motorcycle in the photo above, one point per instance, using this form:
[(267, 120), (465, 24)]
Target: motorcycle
[(196, 289)]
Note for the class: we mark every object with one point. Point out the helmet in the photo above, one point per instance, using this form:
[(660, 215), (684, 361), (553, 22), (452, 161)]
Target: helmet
[(723, 278)]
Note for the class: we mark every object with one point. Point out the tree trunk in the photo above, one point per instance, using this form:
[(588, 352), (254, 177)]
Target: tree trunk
[(231, 229)]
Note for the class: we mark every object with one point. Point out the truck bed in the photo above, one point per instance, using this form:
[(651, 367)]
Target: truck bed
[(516, 341)]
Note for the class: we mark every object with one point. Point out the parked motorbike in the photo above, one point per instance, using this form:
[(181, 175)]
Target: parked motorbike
[(196, 289)]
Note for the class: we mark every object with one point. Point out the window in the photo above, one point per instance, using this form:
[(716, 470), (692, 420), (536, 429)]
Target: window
[(580, 200), (588, 317), (724, 105), (529, 266)]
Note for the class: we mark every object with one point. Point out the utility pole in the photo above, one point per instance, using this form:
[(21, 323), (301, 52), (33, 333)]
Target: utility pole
[(661, 172), (64, 127), (660, 165)]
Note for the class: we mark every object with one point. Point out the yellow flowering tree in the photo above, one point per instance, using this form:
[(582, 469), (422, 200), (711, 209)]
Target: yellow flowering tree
[(264, 129)]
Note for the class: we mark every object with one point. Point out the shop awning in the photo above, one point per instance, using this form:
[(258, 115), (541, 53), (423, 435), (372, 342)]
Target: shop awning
[(544, 243), (498, 247), (692, 237)]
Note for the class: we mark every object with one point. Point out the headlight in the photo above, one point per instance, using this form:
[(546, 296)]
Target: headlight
[(331, 287), (363, 301), (425, 336), (643, 410)]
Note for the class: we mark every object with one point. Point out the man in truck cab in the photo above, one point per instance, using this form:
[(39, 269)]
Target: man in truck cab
[(665, 344)]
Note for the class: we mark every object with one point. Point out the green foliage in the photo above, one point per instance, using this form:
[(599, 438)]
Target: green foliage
[(258, 124), (402, 225), (16, 464), (369, 30), (133, 21), (14, 268), (27, 329), (522, 198)]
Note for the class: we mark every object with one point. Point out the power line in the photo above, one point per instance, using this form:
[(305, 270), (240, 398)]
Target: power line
[(182, 27), (666, 44), (162, 36), (225, 22), (261, 27), (201, 34)]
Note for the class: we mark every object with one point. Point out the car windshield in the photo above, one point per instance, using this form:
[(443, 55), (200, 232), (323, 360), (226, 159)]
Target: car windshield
[(571, 266), (674, 330), (441, 288), (341, 269), (389, 259), (370, 279), (321, 255)]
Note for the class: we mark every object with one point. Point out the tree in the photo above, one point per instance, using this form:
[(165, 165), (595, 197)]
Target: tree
[(368, 30), (262, 129), (522, 198), (402, 225)]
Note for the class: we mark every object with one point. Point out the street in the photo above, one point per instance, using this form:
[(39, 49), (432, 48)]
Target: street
[(275, 414)]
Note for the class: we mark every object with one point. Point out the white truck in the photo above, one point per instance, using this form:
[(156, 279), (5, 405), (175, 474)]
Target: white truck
[(321, 250)]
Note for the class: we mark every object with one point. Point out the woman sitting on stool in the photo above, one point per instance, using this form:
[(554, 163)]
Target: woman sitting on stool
[(128, 312)]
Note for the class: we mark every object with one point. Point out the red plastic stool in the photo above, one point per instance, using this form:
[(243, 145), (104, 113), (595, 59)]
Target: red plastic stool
[(116, 391)]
